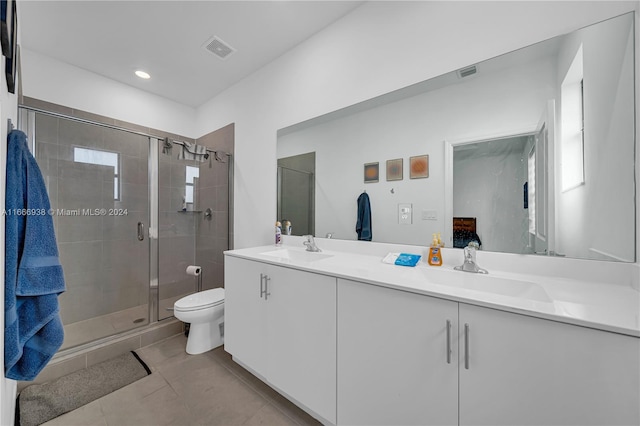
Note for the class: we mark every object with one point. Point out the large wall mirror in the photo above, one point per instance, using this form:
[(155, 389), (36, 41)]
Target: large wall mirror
[(531, 152)]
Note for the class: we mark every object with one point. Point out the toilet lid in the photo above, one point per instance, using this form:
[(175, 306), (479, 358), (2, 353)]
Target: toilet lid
[(201, 300)]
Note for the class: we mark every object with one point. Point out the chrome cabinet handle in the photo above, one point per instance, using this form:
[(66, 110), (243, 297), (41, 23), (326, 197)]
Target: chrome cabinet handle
[(448, 342), (264, 289), (140, 231), (266, 286), (466, 346)]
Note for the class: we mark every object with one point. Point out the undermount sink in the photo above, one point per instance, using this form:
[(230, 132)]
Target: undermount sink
[(296, 255), (490, 284)]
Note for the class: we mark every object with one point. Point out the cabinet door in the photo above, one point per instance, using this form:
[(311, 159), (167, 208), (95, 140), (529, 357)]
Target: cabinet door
[(302, 338), (393, 367), (530, 371), (245, 313)]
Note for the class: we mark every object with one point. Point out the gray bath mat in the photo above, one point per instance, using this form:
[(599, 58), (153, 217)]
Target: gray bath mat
[(40, 403)]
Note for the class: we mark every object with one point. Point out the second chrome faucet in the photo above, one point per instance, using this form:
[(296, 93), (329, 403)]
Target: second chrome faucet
[(310, 243), (469, 264)]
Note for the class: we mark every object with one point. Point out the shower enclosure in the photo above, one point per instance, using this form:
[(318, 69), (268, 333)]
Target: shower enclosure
[(129, 216), (296, 192)]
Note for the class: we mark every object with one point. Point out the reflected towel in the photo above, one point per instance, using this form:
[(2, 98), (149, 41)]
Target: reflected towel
[(33, 274), (363, 223)]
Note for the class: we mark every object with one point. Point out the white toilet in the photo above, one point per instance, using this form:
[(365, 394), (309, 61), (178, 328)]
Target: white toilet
[(205, 312)]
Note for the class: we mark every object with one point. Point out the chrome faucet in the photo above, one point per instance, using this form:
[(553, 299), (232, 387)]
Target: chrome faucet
[(310, 243), (469, 264)]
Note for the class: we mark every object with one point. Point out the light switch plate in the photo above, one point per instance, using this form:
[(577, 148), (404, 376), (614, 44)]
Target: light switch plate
[(429, 215), (405, 213)]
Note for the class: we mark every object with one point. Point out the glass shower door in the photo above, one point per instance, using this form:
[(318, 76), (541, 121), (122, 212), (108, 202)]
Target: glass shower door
[(178, 213), (295, 199), (98, 183)]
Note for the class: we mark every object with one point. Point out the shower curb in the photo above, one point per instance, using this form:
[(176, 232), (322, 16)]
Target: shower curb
[(74, 359)]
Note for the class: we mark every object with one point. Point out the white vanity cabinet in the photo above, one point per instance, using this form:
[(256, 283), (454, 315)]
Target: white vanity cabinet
[(245, 313), (393, 365), (505, 368), (530, 371), (281, 324)]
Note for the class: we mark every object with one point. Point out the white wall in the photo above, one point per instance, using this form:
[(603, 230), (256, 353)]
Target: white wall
[(607, 160), (378, 48), (487, 103), (53, 81)]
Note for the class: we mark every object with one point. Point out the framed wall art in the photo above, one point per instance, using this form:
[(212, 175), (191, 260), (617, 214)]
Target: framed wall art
[(371, 172), (11, 61), (6, 20), (394, 169), (419, 167)]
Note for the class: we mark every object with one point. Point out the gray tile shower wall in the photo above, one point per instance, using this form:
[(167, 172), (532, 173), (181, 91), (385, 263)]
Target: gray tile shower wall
[(212, 236), (176, 229)]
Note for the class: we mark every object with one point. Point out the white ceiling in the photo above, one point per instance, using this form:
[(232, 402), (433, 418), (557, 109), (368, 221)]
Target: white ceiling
[(165, 38)]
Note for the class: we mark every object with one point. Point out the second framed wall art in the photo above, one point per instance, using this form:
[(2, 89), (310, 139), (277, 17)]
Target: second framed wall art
[(394, 169), (419, 167)]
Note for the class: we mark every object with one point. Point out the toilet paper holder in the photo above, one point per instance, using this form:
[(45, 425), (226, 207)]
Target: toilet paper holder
[(195, 271)]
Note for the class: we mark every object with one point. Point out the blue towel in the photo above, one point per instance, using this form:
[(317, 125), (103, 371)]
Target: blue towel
[(33, 275), (363, 224), (407, 259)]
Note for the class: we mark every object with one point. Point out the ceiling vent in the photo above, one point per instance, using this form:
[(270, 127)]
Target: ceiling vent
[(218, 47), (468, 71)]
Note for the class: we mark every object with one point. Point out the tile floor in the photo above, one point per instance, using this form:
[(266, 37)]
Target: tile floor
[(206, 389)]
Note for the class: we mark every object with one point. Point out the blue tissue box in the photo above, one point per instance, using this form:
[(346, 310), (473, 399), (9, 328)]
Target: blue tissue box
[(406, 259)]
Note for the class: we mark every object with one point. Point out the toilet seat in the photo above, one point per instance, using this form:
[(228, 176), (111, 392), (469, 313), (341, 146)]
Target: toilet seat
[(202, 300)]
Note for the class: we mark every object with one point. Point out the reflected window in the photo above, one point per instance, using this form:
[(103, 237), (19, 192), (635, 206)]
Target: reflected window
[(531, 190), (100, 158), (572, 114), (192, 174)]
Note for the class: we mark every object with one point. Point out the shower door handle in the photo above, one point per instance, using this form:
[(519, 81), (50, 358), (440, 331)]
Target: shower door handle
[(140, 231)]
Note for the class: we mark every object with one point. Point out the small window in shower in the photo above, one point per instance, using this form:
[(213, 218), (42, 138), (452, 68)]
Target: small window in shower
[(531, 190), (572, 115), (192, 174), (100, 158)]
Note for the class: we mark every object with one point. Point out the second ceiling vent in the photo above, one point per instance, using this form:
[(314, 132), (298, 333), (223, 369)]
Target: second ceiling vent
[(218, 47)]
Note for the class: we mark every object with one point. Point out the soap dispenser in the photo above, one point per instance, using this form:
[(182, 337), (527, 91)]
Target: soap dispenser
[(278, 233), (435, 255)]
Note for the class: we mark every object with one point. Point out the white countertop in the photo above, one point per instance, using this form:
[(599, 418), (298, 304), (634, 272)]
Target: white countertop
[(608, 306)]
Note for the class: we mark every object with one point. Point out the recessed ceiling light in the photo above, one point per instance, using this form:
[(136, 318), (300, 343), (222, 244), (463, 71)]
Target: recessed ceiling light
[(143, 74)]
